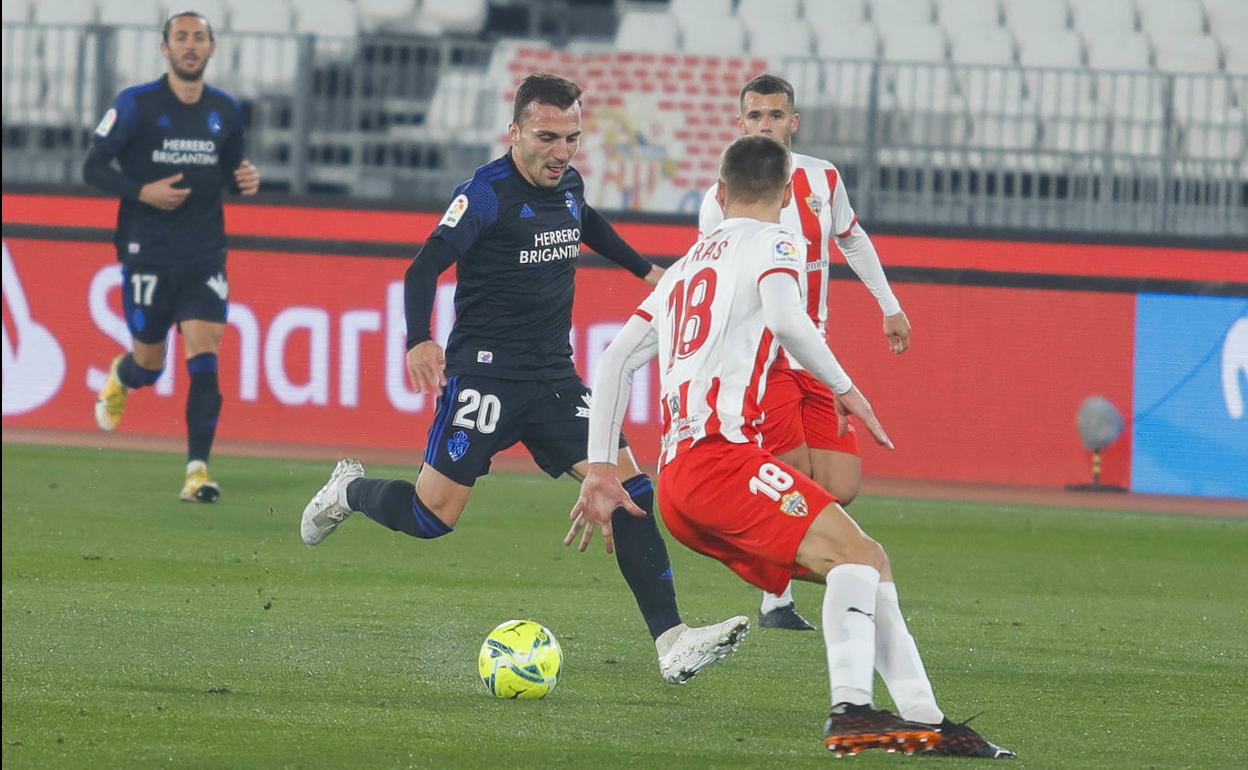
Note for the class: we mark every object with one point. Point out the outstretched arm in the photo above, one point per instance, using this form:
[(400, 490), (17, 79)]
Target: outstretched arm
[(598, 234)]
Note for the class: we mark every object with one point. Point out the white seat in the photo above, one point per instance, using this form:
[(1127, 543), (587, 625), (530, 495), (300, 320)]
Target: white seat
[(851, 41), (1114, 51), (332, 18), (1104, 18), (915, 43), (1237, 60), (457, 104), (1223, 12), (955, 14), (1166, 18), (716, 35), (65, 12), (647, 31), (848, 83), (689, 12), (1191, 54), (828, 16), (767, 11), (385, 14), (137, 13), (981, 45), (15, 11), (269, 16), (1050, 48), (888, 14), (462, 16), (1005, 132), (1130, 96), (781, 37), (1031, 16), (1061, 93)]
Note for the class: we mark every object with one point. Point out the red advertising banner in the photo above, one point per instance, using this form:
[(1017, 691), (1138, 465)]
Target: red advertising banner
[(314, 355)]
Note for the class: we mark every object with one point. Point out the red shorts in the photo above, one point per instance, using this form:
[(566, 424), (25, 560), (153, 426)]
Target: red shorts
[(799, 409), (740, 505)]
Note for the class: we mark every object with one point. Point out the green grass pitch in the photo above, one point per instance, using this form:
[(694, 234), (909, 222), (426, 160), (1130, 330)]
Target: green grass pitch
[(141, 632)]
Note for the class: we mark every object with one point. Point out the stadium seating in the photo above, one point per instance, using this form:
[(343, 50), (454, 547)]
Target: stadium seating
[(981, 45), (331, 18), (829, 16), (458, 16), (139, 13), (888, 14), (689, 12), (1118, 51), (857, 40), (382, 15), (780, 38), (722, 35), (1171, 18), (647, 31), (16, 10), (1031, 17), (956, 14), (1104, 18), (66, 12), (1187, 54), (768, 11)]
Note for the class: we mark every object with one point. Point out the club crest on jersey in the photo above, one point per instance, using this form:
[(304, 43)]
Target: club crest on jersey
[(455, 211), (214, 122), (794, 504), (814, 203), (569, 200), (457, 445)]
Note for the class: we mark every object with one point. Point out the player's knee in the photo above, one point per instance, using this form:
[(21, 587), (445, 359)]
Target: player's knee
[(149, 359), (864, 550)]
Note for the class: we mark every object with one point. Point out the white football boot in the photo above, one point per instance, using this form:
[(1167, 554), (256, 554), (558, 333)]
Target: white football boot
[(696, 648), (329, 507)]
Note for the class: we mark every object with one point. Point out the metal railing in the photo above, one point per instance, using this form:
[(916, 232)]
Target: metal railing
[(407, 118)]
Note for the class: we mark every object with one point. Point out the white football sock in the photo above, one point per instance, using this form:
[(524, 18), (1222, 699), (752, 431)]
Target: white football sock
[(898, 661), (849, 631), (772, 601)]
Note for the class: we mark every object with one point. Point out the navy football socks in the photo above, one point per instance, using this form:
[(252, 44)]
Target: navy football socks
[(393, 503), (642, 558), (203, 406), (134, 376)]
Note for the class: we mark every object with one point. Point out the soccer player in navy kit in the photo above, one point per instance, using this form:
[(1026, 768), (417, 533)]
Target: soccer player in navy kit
[(515, 231), (179, 145)]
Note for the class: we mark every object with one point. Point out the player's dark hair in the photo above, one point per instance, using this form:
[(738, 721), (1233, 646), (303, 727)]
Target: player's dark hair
[(545, 88), (767, 85), (755, 168), (164, 33)]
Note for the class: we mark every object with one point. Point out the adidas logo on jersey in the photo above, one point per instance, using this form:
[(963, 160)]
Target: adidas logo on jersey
[(526, 212)]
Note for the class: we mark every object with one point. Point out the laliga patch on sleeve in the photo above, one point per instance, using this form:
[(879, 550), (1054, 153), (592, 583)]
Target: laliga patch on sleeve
[(106, 123), (784, 252), (456, 211)]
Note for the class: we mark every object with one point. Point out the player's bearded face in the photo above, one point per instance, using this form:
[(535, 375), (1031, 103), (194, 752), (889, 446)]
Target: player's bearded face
[(189, 47), (545, 141), (768, 114)]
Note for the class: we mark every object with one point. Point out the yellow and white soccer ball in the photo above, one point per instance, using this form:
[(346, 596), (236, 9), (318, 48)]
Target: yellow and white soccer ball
[(520, 659)]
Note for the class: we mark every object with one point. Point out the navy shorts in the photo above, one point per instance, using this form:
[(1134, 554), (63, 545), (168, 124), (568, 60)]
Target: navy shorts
[(156, 297), (478, 417)]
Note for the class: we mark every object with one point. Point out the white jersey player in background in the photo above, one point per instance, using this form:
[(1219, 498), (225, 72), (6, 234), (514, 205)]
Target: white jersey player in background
[(800, 425), (716, 320)]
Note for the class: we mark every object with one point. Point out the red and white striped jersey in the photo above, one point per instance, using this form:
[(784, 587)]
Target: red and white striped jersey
[(819, 210), (714, 348)]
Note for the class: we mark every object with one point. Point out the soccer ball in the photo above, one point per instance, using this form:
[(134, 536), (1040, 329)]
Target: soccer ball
[(520, 659)]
